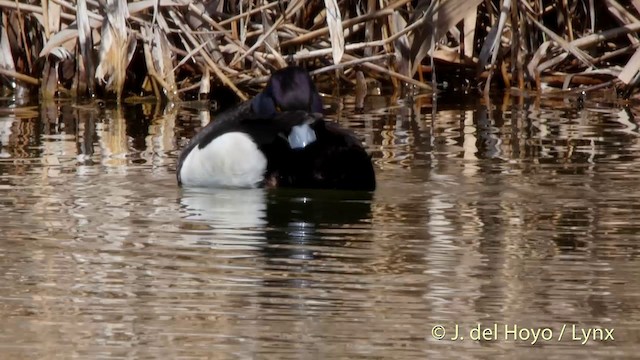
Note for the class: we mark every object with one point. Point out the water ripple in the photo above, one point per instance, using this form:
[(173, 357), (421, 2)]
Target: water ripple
[(512, 214)]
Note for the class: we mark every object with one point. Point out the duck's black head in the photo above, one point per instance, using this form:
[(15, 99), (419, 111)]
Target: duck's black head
[(288, 89)]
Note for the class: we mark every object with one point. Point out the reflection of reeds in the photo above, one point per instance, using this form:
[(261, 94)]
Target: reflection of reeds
[(161, 139), (160, 47), (114, 142), (21, 136)]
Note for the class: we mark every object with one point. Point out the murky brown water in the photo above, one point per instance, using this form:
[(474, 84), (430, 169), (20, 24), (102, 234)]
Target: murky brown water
[(524, 215)]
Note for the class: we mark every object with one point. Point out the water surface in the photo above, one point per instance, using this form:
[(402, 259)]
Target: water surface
[(520, 213)]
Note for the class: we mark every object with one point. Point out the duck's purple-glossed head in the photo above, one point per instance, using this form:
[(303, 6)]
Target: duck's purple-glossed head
[(288, 89)]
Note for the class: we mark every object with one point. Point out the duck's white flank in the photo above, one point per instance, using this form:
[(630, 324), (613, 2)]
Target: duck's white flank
[(230, 160)]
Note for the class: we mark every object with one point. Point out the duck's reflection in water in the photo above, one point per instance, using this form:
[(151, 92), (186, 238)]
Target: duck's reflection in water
[(322, 207), (288, 220), (283, 245), (300, 220), (292, 235), (226, 208), (308, 233)]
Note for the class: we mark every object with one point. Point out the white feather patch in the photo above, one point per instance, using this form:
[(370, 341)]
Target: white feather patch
[(230, 160), (301, 136)]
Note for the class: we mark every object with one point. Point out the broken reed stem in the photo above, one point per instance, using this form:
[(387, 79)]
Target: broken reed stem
[(191, 53), (212, 65), (151, 69), (362, 45), (596, 38), (22, 77), (72, 9), (248, 13), (281, 62), (216, 26), (14, 5), (306, 54), (189, 87), (273, 28), (350, 63), (567, 46), (352, 60), (606, 35), (212, 42), (615, 53), (394, 74), (386, 11), (259, 42)]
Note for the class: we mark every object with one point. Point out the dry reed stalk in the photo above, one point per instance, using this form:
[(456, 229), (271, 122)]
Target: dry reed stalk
[(14, 5), (350, 63), (615, 53), (388, 10), (18, 76), (623, 16), (567, 46), (336, 32), (260, 41), (493, 40), (380, 69), (116, 47), (212, 65), (240, 45), (248, 14), (158, 61), (85, 40)]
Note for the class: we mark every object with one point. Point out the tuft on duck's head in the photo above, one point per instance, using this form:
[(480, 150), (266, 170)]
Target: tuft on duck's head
[(288, 89)]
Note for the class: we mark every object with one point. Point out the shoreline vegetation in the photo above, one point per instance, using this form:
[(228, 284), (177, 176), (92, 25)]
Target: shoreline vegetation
[(179, 49)]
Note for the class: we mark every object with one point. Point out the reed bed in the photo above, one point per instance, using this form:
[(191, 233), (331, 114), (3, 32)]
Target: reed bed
[(177, 49)]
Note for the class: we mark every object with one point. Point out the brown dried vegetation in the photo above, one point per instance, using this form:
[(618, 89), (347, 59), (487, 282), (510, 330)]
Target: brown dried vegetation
[(173, 49)]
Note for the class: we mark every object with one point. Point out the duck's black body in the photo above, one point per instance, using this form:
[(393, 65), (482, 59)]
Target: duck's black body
[(280, 139), (336, 160)]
